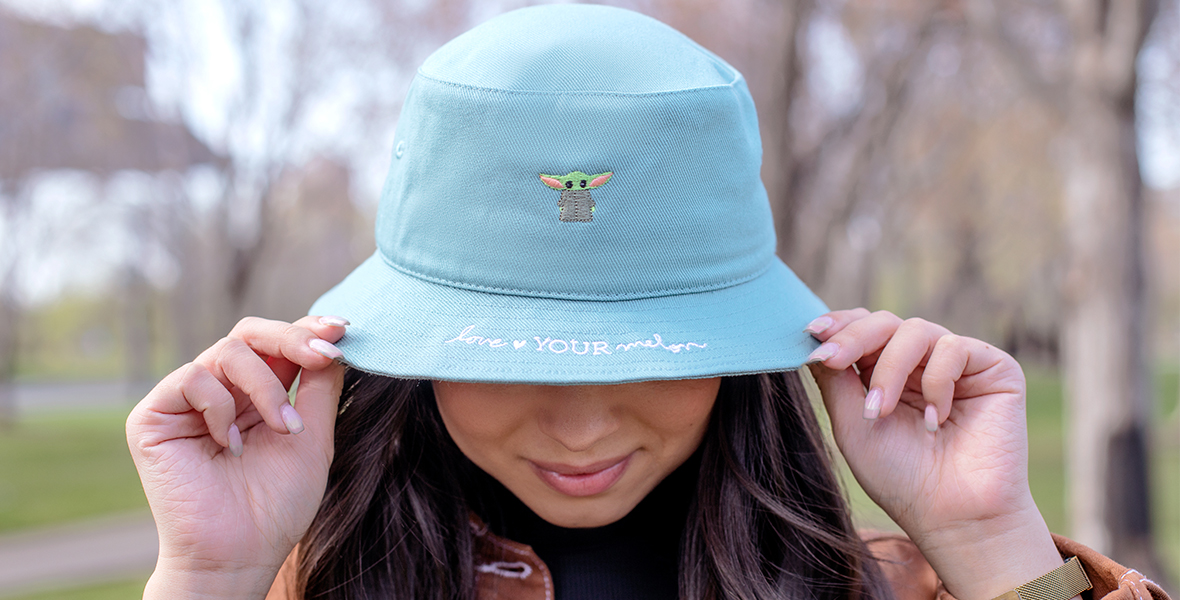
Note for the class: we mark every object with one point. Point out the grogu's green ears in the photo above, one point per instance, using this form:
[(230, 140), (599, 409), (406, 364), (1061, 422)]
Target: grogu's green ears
[(551, 182), (600, 179), (559, 182)]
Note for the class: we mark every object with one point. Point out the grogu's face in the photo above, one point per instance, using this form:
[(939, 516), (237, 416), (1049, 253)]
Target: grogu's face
[(576, 180)]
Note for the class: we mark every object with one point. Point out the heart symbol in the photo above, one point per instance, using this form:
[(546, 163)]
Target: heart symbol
[(518, 343)]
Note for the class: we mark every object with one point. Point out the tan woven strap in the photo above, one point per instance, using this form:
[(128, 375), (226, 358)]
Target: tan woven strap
[(1061, 583)]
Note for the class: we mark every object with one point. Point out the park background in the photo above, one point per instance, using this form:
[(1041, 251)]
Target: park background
[(1010, 169)]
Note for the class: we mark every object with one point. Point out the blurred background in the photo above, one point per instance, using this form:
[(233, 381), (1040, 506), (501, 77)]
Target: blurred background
[(1009, 169)]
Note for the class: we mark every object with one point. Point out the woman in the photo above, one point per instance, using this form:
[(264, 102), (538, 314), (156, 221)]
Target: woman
[(572, 372)]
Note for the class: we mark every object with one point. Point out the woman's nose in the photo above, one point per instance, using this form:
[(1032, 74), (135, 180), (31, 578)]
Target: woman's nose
[(578, 417)]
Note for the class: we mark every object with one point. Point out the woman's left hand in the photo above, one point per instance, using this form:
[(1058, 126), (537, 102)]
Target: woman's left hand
[(939, 442)]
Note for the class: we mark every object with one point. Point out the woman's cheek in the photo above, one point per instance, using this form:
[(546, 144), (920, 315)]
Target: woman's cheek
[(472, 421), (684, 417)]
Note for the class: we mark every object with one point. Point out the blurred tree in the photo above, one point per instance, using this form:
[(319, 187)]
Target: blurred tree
[(1105, 342), (831, 183), (1089, 82), (292, 64), (9, 307), (318, 235), (72, 99)]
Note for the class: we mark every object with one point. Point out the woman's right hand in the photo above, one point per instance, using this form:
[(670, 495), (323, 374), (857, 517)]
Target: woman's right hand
[(231, 489)]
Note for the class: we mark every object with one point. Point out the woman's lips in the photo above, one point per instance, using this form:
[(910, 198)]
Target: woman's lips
[(578, 481)]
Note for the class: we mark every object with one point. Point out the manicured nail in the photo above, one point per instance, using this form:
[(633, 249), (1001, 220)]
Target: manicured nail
[(326, 349), (235, 440), (291, 418), (334, 321), (824, 352), (819, 325), (873, 404), (931, 418)]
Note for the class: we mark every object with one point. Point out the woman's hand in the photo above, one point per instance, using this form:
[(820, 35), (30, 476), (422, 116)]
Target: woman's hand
[(939, 442), (231, 488)]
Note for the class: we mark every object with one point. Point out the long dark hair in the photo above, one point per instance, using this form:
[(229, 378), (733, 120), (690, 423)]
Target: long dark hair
[(768, 520)]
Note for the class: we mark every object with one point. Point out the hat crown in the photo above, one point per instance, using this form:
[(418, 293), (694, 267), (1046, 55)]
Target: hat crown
[(574, 198), (577, 48), (547, 92)]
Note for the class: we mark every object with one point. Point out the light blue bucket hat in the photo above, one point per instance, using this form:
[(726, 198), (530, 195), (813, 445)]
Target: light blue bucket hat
[(574, 198)]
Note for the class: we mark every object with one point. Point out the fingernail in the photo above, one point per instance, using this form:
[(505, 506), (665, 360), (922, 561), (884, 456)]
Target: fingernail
[(334, 321), (235, 440), (819, 325), (326, 349), (931, 418), (873, 404), (824, 352), (291, 418)]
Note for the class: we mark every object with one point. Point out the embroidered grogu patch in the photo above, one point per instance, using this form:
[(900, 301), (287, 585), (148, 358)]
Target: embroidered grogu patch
[(575, 203)]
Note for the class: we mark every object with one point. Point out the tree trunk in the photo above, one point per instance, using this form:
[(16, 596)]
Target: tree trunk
[(137, 332), (9, 317), (824, 193), (10, 309), (1104, 342), (135, 303)]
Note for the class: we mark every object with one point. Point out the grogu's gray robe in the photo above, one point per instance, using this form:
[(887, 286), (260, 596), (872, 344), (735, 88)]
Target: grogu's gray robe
[(576, 205)]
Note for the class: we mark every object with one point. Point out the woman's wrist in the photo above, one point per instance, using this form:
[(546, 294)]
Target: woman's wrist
[(178, 579), (981, 560)]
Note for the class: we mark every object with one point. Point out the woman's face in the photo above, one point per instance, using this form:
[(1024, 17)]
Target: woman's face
[(578, 456)]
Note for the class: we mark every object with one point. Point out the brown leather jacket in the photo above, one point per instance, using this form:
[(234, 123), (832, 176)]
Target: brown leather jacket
[(506, 570)]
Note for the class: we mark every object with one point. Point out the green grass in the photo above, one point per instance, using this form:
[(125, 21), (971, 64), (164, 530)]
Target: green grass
[(120, 590), (1166, 469), (76, 339), (1046, 458), (81, 338), (1046, 447), (59, 468)]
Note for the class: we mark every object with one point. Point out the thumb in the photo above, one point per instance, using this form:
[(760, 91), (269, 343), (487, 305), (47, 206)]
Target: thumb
[(844, 398), (317, 399)]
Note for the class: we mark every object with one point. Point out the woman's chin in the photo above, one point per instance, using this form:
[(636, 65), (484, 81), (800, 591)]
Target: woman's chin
[(582, 513)]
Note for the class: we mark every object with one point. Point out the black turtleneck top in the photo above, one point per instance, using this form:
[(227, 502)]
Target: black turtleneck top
[(634, 558)]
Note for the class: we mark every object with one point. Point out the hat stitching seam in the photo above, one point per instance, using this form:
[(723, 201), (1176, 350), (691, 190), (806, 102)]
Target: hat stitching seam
[(495, 308), (615, 322), (662, 293), (648, 306), (494, 311), (466, 86), (578, 308)]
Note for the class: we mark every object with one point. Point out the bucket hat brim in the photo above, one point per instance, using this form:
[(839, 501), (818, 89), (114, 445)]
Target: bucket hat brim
[(407, 327)]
